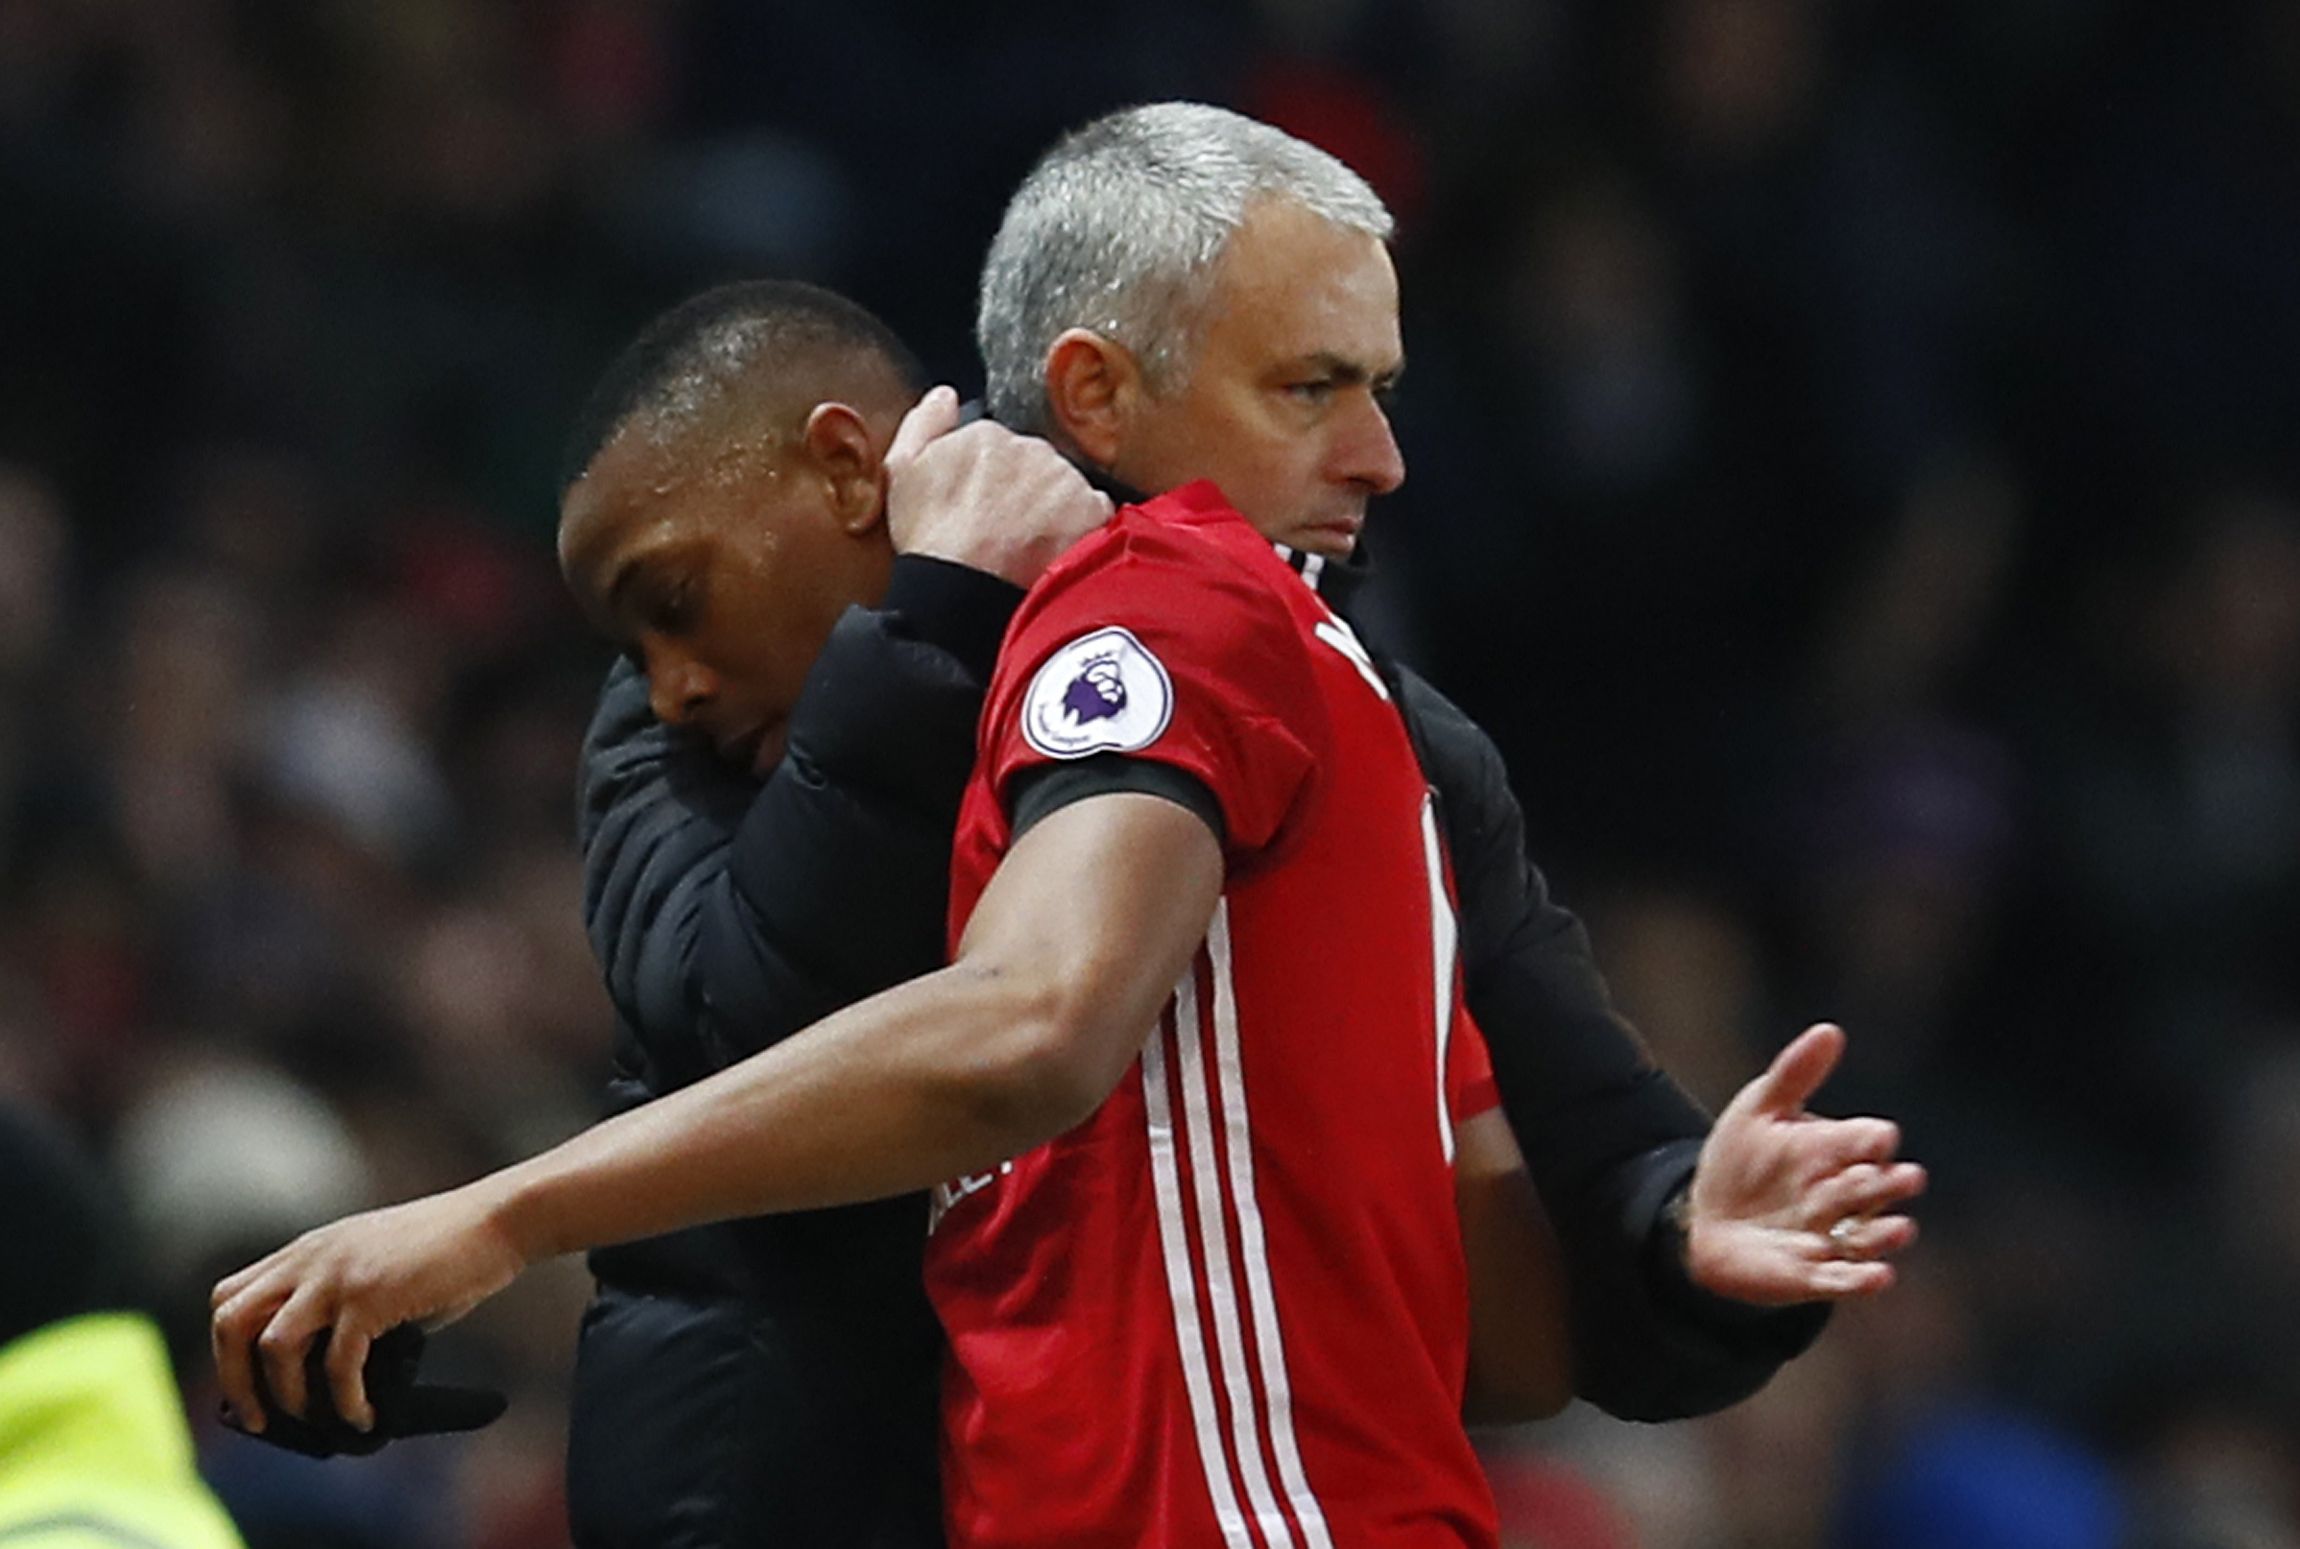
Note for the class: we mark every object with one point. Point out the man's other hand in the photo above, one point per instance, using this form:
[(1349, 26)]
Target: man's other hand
[(404, 1406), (1786, 1206), (983, 496), (426, 1262)]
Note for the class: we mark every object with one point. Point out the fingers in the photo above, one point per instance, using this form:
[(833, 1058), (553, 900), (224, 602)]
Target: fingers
[(265, 1319), (1773, 1268), (1848, 1256), (282, 1348), (1869, 1239), (230, 1338), (1845, 1279), (1827, 1148), (1861, 1190), (986, 497), (347, 1376), (930, 419), (1797, 1071)]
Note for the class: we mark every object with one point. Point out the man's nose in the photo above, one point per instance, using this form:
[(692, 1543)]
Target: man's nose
[(678, 686), (1369, 451)]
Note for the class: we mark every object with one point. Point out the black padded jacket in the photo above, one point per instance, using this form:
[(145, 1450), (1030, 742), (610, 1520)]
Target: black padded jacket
[(772, 1381)]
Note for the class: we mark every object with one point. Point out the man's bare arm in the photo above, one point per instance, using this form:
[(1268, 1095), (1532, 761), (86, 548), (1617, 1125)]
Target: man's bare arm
[(1521, 1347), (1080, 937)]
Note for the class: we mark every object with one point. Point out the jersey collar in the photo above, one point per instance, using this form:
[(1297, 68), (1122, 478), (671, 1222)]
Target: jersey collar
[(1338, 583)]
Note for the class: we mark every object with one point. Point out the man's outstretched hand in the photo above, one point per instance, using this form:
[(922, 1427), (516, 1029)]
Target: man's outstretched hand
[(426, 1262), (1786, 1206)]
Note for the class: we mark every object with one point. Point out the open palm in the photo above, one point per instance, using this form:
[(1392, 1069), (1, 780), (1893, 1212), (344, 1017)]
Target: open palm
[(1787, 1206)]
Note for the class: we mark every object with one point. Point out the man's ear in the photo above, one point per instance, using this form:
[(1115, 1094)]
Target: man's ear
[(1091, 386), (838, 443)]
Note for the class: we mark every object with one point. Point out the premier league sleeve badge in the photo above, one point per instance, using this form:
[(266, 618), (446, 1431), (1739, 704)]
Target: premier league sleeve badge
[(1102, 693)]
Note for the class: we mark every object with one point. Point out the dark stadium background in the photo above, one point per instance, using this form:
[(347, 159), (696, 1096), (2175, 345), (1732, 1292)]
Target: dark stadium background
[(1855, 472)]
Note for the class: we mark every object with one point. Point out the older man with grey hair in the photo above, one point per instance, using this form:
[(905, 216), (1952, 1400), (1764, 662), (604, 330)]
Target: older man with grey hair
[(1181, 292)]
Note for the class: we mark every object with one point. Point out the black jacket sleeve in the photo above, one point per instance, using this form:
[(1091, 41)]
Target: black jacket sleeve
[(727, 913), (1609, 1139)]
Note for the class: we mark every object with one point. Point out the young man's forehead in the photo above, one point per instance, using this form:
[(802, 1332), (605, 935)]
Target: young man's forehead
[(625, 504)]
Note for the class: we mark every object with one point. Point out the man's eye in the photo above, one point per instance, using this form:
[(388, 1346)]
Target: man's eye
[(1315, 391), (677, 609)]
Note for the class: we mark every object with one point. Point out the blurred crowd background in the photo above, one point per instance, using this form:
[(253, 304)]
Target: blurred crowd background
[(1853, 474)]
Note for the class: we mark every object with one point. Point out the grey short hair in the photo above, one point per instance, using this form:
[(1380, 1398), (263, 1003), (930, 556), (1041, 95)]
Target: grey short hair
[(1118, 227)]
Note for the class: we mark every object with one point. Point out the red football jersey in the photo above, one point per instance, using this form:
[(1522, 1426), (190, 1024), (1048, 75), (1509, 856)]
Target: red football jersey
[(1231, 1308)]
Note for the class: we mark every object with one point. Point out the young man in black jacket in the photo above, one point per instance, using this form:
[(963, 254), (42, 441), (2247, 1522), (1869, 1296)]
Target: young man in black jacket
[(1664, 1321), (768, 792)]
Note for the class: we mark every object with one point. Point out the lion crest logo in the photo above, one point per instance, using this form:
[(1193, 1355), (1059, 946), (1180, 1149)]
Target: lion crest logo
[(1096, 694)]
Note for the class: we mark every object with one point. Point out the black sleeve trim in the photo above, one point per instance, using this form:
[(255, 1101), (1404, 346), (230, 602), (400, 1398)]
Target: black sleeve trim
[(963, 610), (1039, 793)]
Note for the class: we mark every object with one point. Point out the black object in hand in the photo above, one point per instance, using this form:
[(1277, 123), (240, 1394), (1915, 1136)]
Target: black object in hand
[(402, 1408)]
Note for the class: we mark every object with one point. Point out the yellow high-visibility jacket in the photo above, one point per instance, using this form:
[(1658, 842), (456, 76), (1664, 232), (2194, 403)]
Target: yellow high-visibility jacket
[(94, 1451)]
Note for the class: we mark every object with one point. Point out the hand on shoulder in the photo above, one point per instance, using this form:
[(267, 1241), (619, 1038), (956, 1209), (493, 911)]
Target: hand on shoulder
[(982, 495)]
